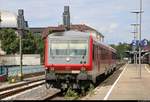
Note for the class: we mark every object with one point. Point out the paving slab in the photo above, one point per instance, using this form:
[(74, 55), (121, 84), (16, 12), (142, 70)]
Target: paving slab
[(125, 86), (131, 86)]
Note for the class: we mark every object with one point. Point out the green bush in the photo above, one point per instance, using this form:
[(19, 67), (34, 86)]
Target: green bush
[(11, 79), (71, 94)]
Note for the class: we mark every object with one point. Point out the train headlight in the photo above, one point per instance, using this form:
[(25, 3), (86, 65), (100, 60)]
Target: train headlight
[(67, 59)]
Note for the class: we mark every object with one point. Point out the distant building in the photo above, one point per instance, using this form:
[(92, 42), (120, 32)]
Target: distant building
[(66, 17), (147, 57), (75, 27), (37, 30), (145, 53), (44, 31)]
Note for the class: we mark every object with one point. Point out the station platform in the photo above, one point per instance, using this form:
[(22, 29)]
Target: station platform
[(128, 85)]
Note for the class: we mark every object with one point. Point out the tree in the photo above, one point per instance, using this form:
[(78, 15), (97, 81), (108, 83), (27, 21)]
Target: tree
[(9, 41), (28, 44), (39, 46), (33, 44), (121, 49)]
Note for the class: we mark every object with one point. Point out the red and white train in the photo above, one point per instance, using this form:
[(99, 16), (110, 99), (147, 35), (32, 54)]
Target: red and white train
[(76, 59)]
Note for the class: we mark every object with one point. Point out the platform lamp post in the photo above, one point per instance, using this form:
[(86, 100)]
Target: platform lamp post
[(20, 30), (140, 30), (134, 47), (136, 30), (135, 38), (140, 12)]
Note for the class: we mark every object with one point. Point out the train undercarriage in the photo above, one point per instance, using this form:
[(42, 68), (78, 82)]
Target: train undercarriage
[(64, 81), (81, 81)]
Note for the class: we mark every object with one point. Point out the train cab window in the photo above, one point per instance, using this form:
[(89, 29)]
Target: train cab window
[(78, 47), (71, 48), (58, 48)]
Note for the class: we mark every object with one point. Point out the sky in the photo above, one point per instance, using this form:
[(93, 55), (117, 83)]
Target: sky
[(113, 18)]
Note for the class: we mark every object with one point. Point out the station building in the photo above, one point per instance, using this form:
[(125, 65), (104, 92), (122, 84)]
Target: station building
[(44, 31)]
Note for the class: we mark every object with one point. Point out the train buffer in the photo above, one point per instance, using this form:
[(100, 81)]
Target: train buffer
[(124, 84)]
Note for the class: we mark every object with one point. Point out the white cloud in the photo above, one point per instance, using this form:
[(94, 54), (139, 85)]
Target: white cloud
[(113, 27), (108, 28)]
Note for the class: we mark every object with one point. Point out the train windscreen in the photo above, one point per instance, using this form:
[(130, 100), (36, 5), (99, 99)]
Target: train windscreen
[(71, 48)]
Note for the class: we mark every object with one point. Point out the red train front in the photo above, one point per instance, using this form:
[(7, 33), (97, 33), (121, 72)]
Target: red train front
[(76, 59)]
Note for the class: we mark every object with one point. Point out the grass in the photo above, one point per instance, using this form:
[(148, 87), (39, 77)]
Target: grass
[(71, 94), (14, 79)]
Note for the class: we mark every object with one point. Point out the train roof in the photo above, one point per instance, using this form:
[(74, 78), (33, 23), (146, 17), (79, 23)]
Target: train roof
[(70, 33), (79, 35)]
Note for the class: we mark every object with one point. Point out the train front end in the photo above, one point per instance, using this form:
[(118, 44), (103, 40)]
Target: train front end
[(67, 60)]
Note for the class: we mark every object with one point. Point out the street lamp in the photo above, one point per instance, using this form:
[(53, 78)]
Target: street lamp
[(20, 30), (139, 12), (136, 32), (135, 39), (140, 35)]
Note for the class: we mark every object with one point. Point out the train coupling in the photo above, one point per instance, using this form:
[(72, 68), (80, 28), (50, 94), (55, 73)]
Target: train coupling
[(82, 75), (66, 86)]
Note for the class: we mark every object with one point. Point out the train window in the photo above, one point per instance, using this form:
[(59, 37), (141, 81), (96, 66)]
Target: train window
[(58, 48), (72, 48), (78, 47), (104, 54)]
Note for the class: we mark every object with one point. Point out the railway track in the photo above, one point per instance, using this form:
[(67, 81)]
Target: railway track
[(18, 88), (60, 96), (14, 89)]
